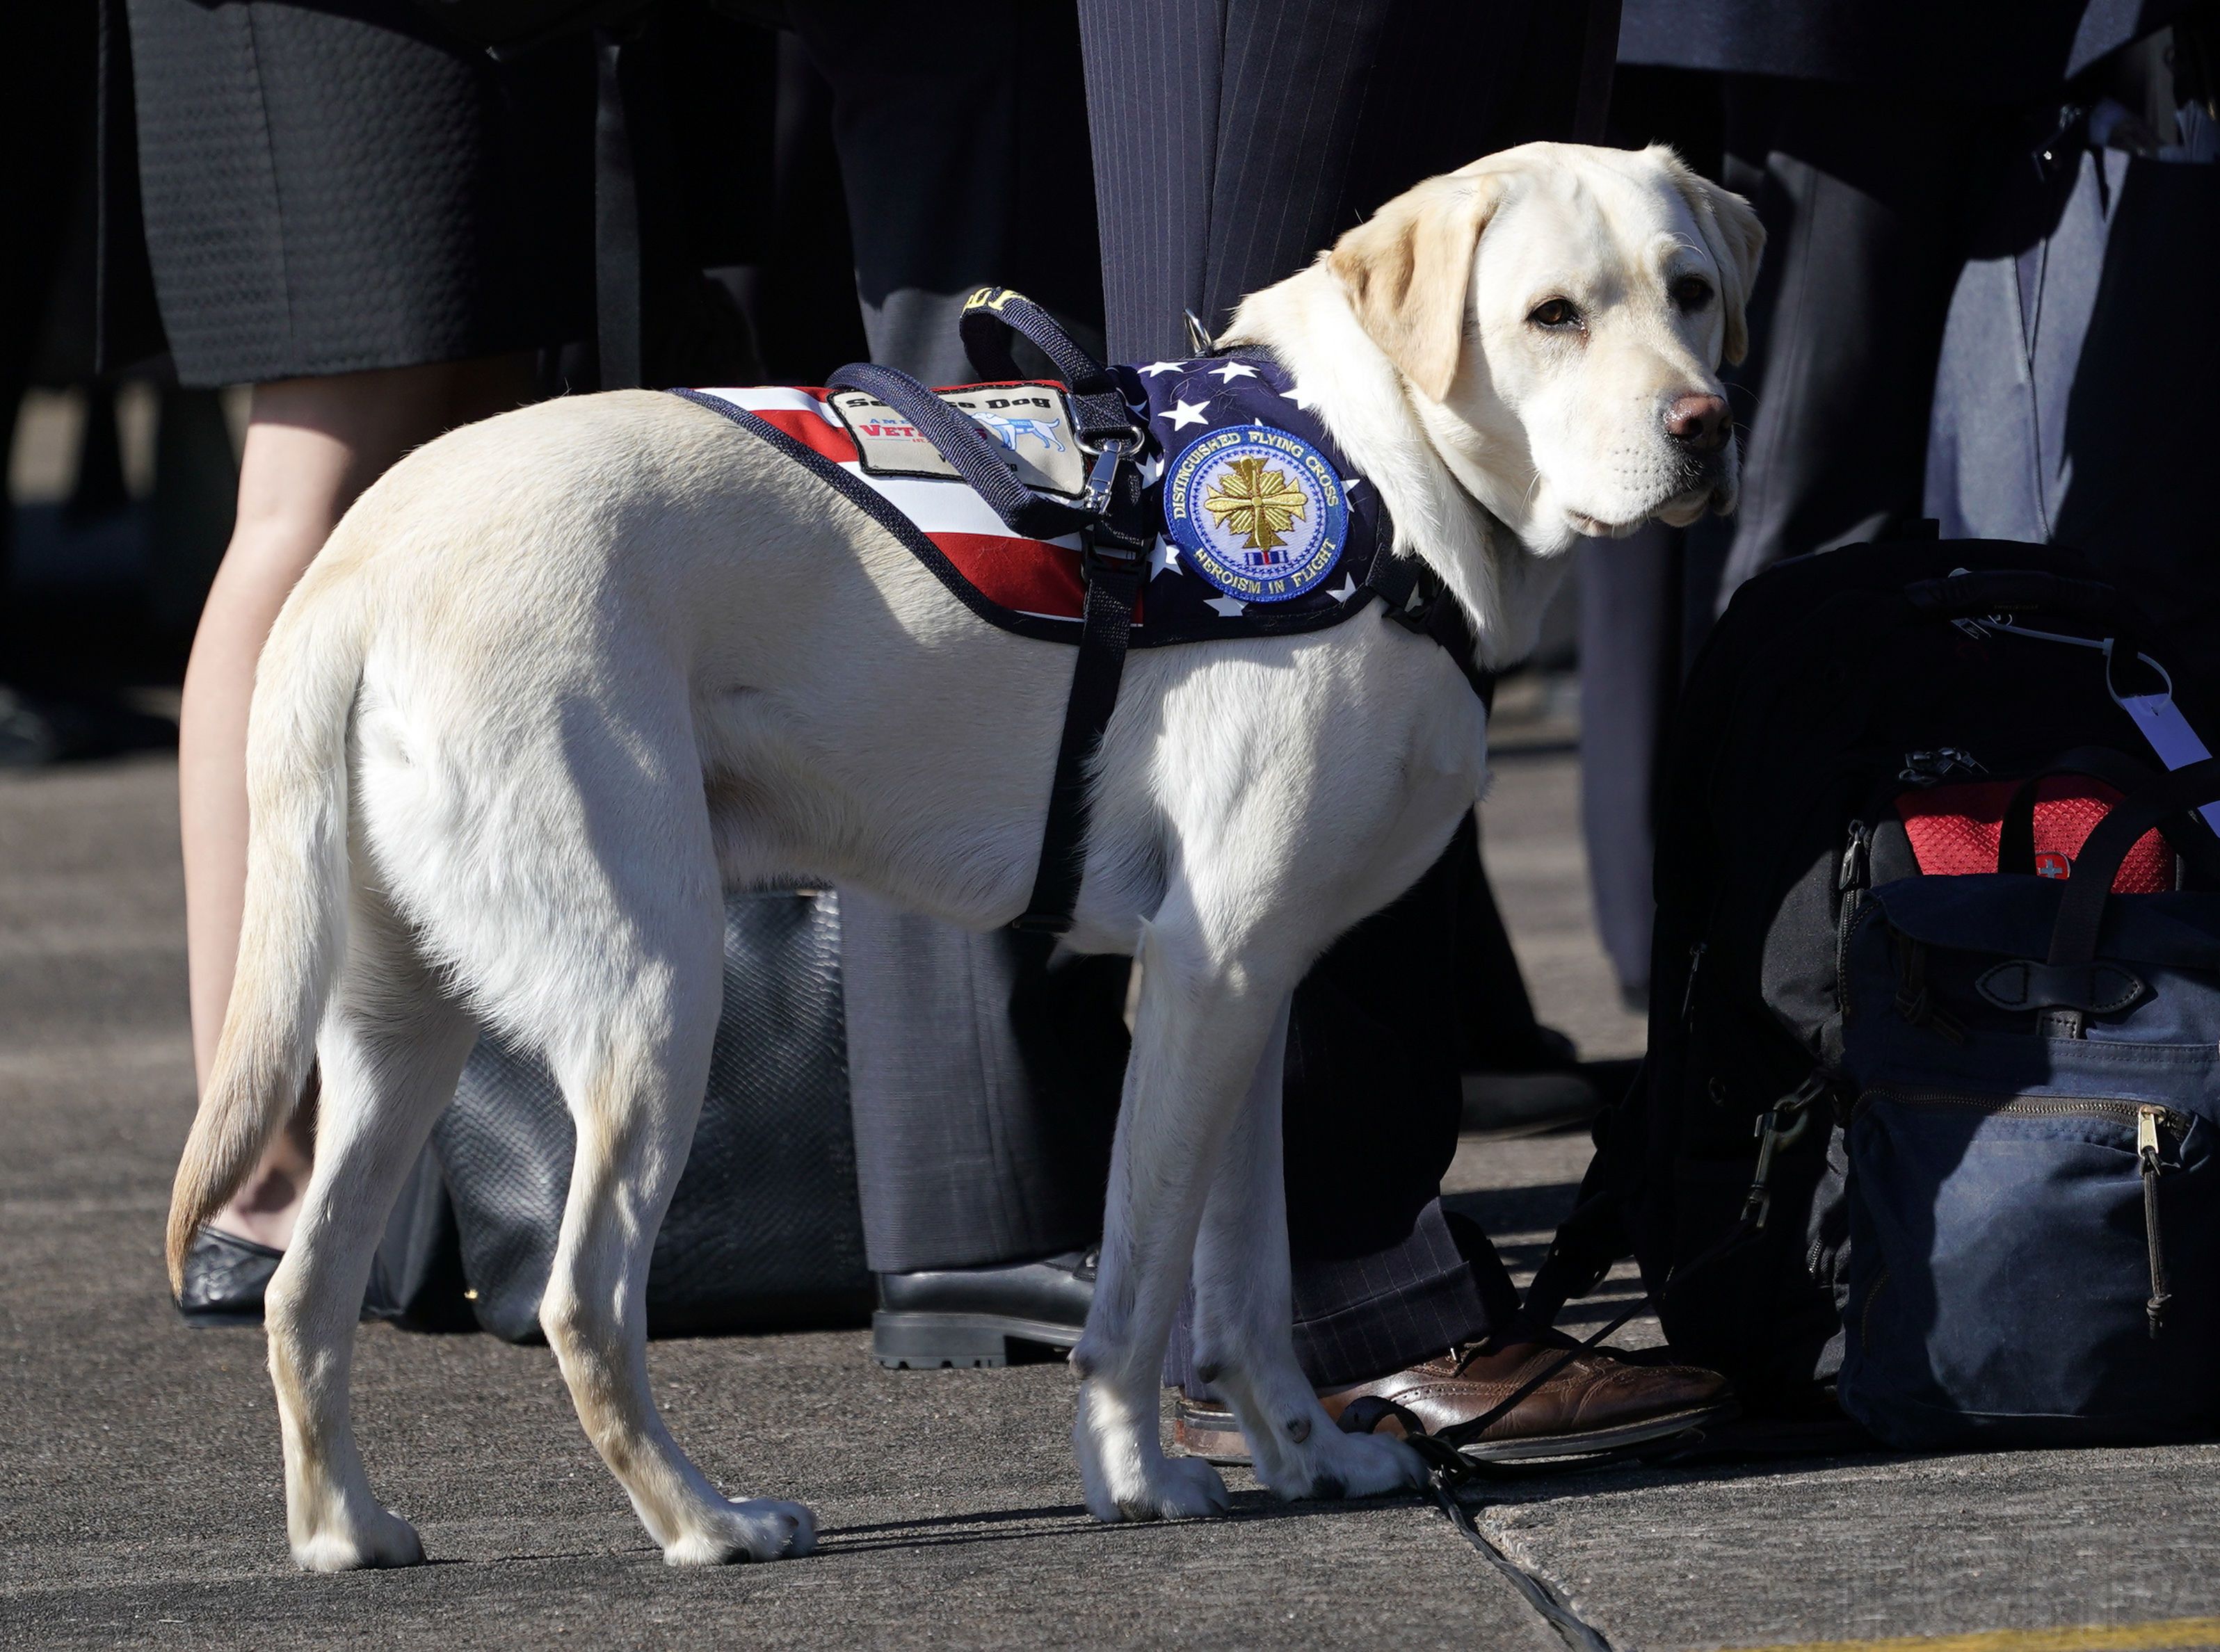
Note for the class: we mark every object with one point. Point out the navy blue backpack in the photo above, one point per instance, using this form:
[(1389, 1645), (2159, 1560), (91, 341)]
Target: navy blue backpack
[(1923, 1130), (2034, 1067)]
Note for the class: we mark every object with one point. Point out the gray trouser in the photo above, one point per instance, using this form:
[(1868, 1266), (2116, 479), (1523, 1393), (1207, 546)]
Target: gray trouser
[(984, 1081), (1866, 233)]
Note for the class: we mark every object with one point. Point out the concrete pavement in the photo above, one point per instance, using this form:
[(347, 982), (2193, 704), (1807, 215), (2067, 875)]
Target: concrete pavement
[(140, 1499)]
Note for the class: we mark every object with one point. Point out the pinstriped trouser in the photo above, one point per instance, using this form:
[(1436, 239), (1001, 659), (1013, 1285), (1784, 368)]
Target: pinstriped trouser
[(1232, 139)]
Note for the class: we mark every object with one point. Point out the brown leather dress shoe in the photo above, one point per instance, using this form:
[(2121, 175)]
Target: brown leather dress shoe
[(1595, 1404)]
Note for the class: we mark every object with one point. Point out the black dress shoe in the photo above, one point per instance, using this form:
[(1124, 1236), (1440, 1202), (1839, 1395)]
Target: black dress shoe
[(225, 1277), (982, 1316)]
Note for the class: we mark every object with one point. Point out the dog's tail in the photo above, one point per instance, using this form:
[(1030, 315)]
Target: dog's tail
[(295, 922)]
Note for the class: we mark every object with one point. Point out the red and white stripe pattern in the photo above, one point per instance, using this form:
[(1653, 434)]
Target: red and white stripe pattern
[(1038, 578)]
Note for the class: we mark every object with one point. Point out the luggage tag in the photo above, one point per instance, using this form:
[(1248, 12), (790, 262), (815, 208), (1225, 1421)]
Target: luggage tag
[(2157, 718), (2174, 742)]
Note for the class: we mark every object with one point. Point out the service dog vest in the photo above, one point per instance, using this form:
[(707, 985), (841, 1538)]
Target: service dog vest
[(1129, 507), (1261, 525)]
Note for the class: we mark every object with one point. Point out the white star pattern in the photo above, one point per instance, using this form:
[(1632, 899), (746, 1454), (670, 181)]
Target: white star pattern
[(1164, 559), (1348, 589), (1151, 468), (1185, 413), (1231, 607), (1156, 368), (1233, 370), (1351, 483), (1300, 396)]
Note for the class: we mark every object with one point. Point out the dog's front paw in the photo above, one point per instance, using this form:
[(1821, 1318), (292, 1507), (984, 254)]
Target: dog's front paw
[(747, 1529), (1329, 1464), (1123, 1467), (1161, 1488), (372, 1537)]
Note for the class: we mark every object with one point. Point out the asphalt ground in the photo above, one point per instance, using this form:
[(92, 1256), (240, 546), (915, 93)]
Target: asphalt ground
[(139, 1499)]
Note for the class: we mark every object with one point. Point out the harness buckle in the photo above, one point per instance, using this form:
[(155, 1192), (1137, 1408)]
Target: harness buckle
[(1097, 557)]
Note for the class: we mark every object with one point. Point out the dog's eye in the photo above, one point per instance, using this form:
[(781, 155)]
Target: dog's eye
[(1692, 292), (1558, 313)]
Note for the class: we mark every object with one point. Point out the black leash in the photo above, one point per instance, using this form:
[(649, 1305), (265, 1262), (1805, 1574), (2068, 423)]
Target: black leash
[(1539, 1594), (1441, 1451)]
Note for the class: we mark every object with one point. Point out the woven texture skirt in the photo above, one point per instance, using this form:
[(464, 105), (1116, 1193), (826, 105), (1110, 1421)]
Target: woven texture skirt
[(338, 187)]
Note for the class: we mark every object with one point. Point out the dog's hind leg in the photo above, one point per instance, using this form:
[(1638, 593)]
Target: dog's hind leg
[(634, 1083), (1203, 1024), (1243, 1344), (391, 1049)]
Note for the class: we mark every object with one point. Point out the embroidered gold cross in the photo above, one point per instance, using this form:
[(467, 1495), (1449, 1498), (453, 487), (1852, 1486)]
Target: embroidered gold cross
[(1259, 500)]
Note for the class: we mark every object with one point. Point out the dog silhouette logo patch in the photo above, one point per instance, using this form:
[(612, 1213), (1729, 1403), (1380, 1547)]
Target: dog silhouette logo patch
[(1029, 423), (1259, 511), (1014, 433)]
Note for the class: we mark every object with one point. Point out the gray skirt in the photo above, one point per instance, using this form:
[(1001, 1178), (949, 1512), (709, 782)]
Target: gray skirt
[(337, 187)]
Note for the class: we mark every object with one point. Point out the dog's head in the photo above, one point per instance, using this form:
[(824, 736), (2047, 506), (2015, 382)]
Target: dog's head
[(1560, 313)]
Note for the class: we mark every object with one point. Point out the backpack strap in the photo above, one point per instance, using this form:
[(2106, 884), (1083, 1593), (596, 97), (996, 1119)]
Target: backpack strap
[(2016, 835), (1973, 596), (2081, 908)]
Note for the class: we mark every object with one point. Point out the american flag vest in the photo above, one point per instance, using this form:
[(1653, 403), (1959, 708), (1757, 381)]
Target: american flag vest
[(1262, 526)]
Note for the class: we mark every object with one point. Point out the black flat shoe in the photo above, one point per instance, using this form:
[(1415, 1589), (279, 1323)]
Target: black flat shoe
[(982, 1316), (225, 1277)]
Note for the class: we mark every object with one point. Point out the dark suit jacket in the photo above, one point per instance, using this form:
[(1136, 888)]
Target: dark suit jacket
[(1991, 52)]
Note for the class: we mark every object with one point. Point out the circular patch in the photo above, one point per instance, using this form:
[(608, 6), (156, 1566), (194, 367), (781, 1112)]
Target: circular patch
[(1259, 513)]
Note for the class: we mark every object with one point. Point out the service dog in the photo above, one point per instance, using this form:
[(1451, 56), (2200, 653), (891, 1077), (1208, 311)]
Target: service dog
[(559, 677)]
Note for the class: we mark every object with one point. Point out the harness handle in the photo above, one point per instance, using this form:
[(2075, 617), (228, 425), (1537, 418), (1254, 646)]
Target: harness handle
[(1974, 595), (991, 314)]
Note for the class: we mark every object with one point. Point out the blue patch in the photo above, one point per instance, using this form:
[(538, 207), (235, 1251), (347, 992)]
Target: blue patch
[(1259, 513)]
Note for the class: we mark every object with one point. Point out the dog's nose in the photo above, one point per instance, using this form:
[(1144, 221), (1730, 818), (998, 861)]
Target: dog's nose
[(1698, 420)]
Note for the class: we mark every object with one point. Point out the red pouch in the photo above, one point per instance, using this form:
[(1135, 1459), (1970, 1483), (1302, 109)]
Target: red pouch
[(1956, 830)]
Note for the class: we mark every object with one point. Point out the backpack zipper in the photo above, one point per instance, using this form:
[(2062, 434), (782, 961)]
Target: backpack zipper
[(1849, 886), (2147, 1154), (2131, 1113), (2145, 1118)]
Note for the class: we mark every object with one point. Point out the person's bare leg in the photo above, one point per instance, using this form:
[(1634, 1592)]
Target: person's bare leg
[(313, 445)]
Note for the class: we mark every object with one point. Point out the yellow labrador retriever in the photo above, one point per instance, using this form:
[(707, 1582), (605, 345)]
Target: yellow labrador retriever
[(561, 676)]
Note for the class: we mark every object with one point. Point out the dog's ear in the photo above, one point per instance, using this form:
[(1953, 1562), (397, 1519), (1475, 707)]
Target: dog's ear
[(1732, 235), (1406, 270)]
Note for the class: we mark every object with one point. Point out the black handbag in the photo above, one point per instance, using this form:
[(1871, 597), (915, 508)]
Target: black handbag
[(764, 1232)]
